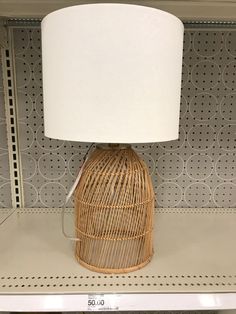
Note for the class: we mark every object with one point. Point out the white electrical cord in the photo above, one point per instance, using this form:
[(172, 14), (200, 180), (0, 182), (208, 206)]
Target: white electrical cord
[(8, 216), (72, 189), (66, 201)]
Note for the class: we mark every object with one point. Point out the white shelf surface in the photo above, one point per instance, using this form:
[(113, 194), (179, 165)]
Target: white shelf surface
[(194, 265)]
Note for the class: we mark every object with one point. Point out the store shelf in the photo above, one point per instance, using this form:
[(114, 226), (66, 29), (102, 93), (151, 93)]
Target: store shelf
[(194, 254), (185, 9)]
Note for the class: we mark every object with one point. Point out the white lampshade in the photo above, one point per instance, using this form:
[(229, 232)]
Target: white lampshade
[(112, 73)]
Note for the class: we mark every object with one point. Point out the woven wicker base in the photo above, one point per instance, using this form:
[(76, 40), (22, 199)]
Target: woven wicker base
[(113, 271), (114, 204)]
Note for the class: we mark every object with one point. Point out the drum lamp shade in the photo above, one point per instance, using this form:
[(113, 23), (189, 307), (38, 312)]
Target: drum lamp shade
[(112, 73)]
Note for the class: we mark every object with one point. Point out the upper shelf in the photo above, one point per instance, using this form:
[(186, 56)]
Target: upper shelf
[(194, 254), (224, 10)]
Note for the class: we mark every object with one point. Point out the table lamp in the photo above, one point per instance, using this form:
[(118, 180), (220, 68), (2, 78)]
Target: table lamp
[(112, 75)]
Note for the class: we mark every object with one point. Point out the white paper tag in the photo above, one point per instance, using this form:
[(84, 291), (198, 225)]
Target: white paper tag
[(76, 182), (103, 302)]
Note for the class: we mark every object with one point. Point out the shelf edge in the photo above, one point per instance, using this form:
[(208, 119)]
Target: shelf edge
[(122, 302)]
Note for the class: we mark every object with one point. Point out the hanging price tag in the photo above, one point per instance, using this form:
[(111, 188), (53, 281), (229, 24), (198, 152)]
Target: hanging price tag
[(103, 302)]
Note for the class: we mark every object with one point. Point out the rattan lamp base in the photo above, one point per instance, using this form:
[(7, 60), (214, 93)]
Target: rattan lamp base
[(114, 204)]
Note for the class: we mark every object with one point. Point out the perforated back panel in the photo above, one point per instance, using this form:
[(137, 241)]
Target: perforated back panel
[(5, 186), (198, 170)]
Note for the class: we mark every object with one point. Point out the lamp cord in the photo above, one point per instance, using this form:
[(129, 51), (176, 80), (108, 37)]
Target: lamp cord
[(70, 194), (7, 217), (66, 201)]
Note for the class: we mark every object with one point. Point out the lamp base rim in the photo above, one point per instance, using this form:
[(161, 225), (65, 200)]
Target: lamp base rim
[(114, 270)]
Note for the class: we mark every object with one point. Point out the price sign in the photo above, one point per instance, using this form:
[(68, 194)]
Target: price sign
[(103, 302)]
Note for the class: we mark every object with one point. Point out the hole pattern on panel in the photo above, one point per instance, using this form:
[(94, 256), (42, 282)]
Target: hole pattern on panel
[(5, 188), (198, 170), (10, 192), (172, 282)]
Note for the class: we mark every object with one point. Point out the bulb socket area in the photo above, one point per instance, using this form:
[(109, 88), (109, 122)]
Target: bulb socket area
[(113, 146)]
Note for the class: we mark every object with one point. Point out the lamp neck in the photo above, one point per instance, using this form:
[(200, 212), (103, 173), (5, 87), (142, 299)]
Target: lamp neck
[(112, 146)]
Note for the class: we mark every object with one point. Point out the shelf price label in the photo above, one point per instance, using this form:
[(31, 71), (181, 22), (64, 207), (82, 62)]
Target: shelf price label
[(103, 302)]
